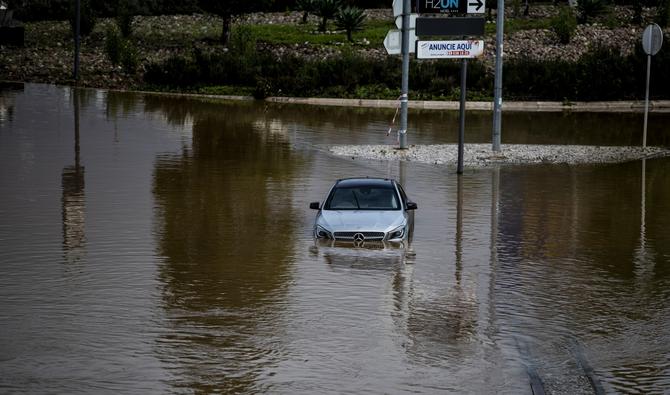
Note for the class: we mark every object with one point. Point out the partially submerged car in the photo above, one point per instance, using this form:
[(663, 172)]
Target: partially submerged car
[(362, 210)]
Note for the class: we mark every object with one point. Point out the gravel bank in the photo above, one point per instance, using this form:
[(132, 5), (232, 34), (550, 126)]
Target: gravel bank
[(480, 155)]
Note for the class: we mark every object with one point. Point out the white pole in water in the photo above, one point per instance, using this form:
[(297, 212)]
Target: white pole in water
[(646, 104), (404, 88), (497, 89), (652, 41)]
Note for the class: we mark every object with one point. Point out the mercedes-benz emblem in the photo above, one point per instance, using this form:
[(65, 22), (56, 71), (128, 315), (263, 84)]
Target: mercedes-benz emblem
[(359, 237)]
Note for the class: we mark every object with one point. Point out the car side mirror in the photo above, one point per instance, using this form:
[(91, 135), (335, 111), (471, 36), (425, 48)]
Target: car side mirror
[(314, 205), (411, 206)]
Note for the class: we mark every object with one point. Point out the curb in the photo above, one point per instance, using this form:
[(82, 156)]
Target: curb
[(658, 106)]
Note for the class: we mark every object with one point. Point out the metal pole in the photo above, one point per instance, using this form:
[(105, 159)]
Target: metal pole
[(646, 104), (497, 91), (404, 89), (461, 126), (77, 29)]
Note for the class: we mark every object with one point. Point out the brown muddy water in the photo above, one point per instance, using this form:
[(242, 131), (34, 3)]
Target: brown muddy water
[(159, 245)]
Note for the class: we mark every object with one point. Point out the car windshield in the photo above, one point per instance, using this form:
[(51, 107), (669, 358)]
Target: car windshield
[(363, 198)]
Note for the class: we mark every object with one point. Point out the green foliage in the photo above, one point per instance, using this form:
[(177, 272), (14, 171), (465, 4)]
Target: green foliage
[(564, 24), (113, 44), (589, 9), (637, 12), (129, 58), (663, 13), (243, 41), (228, 8), (124, 17), (350, 19), (87, 18), (120, 50), (40, 10), (601, 74), (326, 9)]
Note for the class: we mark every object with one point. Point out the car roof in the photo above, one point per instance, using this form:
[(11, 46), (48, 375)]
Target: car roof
[(364, 182)]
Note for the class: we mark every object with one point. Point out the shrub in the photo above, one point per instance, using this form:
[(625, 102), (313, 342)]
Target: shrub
[(129, 59), (326, 9), (113, 45), (124, 17), (564, 24), (637, 12), (663, 13), (350, 19)]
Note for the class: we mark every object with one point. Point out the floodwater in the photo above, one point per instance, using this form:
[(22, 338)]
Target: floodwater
[(161, 245)]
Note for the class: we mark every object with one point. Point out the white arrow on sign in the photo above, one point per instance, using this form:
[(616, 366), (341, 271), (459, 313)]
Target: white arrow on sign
[(412, 21), (393, 42), (476, 7)]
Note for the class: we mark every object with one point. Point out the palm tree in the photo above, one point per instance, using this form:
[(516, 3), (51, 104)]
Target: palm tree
[(350, 19), (326, 9), (306, 6)]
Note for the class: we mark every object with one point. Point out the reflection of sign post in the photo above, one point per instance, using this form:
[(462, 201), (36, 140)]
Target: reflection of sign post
[(652, 40)]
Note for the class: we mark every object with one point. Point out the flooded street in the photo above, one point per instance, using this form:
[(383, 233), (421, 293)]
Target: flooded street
[(151, 244)]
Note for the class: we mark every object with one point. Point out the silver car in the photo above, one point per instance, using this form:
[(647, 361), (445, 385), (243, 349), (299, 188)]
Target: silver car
[(361, 210)]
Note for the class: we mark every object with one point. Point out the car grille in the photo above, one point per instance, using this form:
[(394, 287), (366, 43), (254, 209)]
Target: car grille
[(369, 236)]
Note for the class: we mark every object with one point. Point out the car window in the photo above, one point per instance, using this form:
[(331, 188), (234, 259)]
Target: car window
[(363, 198)]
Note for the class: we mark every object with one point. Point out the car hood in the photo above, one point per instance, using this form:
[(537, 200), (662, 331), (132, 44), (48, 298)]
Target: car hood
[(363, 220)]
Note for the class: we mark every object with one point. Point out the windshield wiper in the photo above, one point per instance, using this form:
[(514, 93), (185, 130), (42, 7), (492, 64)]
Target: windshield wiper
[(358, 206)]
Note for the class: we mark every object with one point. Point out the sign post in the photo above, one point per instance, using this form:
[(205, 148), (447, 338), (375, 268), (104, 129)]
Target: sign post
[(464, 49), (497, 83), (404, 87), (652, 40)]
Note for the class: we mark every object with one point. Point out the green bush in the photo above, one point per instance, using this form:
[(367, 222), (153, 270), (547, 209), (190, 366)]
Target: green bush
[(663, 13), (124, 17), (601, 74), (326, 9), (564, 24), (113, 45), (129, 58), (350, 19)]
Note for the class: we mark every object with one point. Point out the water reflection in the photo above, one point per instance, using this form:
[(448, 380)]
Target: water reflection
[(199, 276), (73, 199), (226, 230), (8, 93), (442, 322), (560, 277)]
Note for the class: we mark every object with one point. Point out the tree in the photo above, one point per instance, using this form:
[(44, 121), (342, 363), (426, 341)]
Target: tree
[(350, 19), (326, 9), (229, 8)]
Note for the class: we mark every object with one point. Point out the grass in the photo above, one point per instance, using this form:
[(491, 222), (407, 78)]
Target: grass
[(227, 90)]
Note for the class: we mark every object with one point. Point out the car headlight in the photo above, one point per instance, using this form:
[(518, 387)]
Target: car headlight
[(322, 233), (396, 233)]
